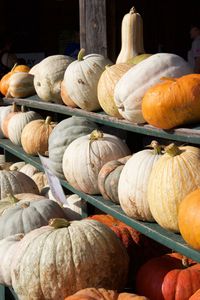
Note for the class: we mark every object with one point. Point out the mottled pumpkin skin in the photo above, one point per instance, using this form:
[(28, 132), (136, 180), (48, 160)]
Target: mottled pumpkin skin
[(165, 278)]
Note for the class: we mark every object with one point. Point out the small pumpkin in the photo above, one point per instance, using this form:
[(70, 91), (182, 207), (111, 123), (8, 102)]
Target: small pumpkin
[(17, 166), (35, 136), (108, 178), (29, 170), (21, 85), (86, 155), (4, 111), (4, 124), (40, 179)]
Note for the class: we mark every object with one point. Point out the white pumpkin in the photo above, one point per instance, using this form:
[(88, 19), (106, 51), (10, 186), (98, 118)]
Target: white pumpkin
[(21, 85), (4, 111), (48, 76), (17, 166), (133, 183), (132, 86), (86, 155), (29, 170), (81, 79)]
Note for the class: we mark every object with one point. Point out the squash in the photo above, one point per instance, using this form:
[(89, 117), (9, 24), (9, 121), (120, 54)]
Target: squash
[(62, 258), (81, 79), (106, 85), (29, 170), (21, 85), (173, 102), (4, 111), (17, 166), (174, 175), (196, 295), (64, 95), (133, 183), (101, 293), (4, 124), (108, 178), (62, 135), (130, 89), (171, 276), (48, 77), (137, 59), (188, 219), (7, 253), (14, 182), (85, 156), (17, 123), (131, 36), (40, 179), (35, 136)]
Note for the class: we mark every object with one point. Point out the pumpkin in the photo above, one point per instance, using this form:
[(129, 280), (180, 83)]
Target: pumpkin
[(106, 85), (4, 124), (62, 135), (40, 179), (81, 79), (35, 136), (131, 36), (25, 216), (174, 175), (108, 178), (7, 252), (18, 122), (48, 77), (29, 170), (4, 111), (133, 183), (188, 219), (85, 156), (171, 276), (103, 294), (173, 102), (196, 295), (5, 165), (17, 166), (64, 95), (21, 85), (130, 89), (62, 258), (14, 182)]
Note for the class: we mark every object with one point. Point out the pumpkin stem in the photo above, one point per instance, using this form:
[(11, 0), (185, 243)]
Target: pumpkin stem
[(14, 107), (107, 67), (12, 198), (81, 54), (156, 147), (133, 10), (96, 134), (23, 108), (19, 236), (185, 261), (173, 150), (13, 68), (48, 120), (59, 223)]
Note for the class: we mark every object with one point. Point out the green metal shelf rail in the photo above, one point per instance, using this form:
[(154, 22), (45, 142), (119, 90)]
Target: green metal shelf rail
[(186, 135), (152, 230), (3, 292)]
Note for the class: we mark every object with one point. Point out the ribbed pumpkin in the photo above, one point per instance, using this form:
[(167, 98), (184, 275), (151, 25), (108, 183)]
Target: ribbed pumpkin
[(21, 85), (171, 276), (175, 174), (106, 85), (133, 183), (92, 152), (62, 135), (4, 111), (188, 219), (4, 124), (63, 257), (173, 102), (64, 95), (29, 170), (196, 295), (35, 136), (17, 166), (108, 178), (40, 179)]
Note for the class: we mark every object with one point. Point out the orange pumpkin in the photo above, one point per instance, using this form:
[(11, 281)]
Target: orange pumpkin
[(188, 219), (195, 296), (173, 102), (65, 97), (4, 125)]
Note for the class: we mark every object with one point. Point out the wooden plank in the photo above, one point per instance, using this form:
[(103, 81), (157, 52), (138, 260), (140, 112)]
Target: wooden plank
[(93, 32)]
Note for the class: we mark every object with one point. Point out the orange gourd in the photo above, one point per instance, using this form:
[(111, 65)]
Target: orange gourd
[(173, 102)]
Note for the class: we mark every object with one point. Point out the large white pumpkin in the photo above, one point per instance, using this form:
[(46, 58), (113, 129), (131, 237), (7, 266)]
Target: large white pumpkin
[(4, 111), (131, 88), (86, 155), (81, 79)]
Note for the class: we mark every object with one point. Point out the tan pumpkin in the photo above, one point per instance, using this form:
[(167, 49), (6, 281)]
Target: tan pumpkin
[(17, 166), (40, 179), (21, 85), (29, 170), (35, 136), (4, 124), (106, 85)]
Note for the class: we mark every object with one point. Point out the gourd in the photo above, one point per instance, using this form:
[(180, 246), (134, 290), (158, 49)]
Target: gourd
[(29, 170), (137, 59), (21, 85), (171, 276), (25, 216), (173, 176), (133, 183), (17, 123), (173, 102), (108, 178), (106, 85), (17, 166), (4, 111), (40, 179), (69, 250), (81, 79), (188, 219), (85, 156), (130, 89), (48, 77), (131, 36), (4, 124), (35, 135), (14, 182), (62, 135)]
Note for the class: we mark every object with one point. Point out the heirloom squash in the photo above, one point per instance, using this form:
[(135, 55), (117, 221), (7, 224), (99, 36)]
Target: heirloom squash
[(21, 85), (173, 102), (81, 79), (62, 258), (131, 36), (132, 86), (4, 124), (4, 111), (174, 175), (92, 152), (106, 85)]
